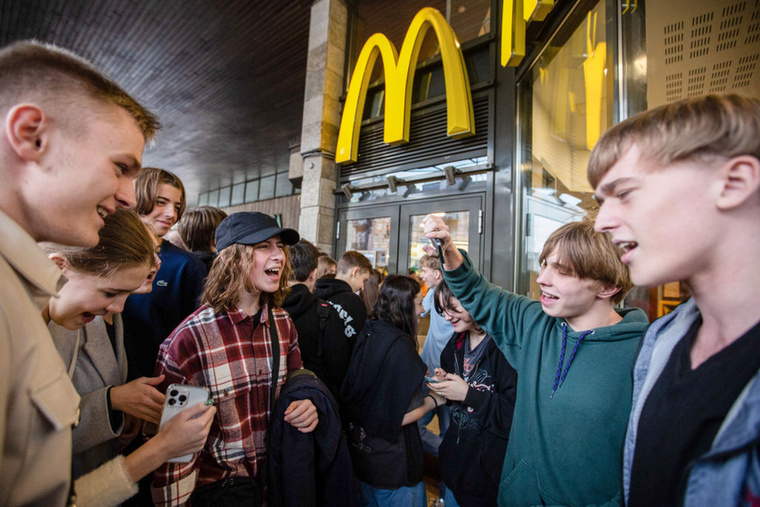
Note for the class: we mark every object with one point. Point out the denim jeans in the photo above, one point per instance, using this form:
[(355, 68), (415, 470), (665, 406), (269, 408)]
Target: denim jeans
[(431, 441), (449, 500), (413, 496)]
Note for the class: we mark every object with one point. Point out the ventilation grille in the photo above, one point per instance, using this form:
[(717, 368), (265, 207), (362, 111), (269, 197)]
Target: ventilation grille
[(428, 143), (697, 47)]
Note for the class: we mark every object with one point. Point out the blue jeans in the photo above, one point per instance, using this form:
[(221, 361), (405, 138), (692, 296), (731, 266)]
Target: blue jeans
[(449, 500), (431, 441), (413, 496)]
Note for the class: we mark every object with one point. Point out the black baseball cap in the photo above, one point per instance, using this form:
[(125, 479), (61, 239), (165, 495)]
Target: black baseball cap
[(249, 228)]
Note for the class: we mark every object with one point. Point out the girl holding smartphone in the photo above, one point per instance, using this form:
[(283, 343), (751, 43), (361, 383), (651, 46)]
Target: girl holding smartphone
[(86, 328)]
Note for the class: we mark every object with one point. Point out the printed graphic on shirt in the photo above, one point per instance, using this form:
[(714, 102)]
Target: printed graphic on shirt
[(461, 414), (346, 318)]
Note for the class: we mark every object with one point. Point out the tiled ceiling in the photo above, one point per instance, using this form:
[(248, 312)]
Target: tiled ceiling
[(226, 77)]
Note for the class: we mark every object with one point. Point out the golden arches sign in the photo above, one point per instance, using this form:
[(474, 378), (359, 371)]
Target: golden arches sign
[(399, 78)]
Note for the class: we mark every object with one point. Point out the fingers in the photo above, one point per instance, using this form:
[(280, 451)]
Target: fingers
[(154, 381), (302, 414)]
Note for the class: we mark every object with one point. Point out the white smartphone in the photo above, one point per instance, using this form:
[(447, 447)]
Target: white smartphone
[(178, 398)]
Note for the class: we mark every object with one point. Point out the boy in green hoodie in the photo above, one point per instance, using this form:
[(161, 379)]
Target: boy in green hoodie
[(573, 351)]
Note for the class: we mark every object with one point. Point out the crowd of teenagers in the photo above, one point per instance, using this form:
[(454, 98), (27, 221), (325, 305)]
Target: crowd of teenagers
[(113, 296)]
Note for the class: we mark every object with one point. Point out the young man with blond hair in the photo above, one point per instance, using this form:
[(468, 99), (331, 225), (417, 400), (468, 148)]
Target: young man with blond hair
[(71, 143), (572, 351), (341, 291), (438, 335), (679, 188)]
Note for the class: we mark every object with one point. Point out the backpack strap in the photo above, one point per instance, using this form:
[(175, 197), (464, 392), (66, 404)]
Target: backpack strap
[(323, 309)]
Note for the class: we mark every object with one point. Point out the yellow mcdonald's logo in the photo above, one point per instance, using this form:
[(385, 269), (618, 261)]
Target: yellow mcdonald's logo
[(399, 78), (514, 16)]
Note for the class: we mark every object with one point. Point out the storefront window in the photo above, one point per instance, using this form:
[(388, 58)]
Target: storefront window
[(458, 222), (566, 101), (371, 237)]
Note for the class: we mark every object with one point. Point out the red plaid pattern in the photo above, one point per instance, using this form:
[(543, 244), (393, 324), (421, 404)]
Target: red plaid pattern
[(224, 353)]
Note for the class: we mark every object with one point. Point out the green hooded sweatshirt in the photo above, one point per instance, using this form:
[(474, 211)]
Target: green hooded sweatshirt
[(565, 444)]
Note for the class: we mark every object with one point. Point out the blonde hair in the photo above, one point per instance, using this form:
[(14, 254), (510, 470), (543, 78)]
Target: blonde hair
[(198, 226), (430, 262), (230, 275), (589, 255), (703, 128), (124, 242), (351, 260), (146, 189), (31, 71)]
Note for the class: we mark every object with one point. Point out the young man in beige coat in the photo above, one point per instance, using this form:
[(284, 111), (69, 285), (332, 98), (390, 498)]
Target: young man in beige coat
[(71, 142)]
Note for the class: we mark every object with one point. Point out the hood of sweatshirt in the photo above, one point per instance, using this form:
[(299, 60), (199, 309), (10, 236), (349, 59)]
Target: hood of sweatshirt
[(329, 287), (632, 325), (298, 300)]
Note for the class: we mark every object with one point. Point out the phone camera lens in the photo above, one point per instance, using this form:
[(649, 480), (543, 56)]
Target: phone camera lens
[(172, 401), (182, 399), (173, 393)]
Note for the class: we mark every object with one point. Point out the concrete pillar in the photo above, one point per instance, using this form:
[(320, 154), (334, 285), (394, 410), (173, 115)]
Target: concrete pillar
[(321, 120)]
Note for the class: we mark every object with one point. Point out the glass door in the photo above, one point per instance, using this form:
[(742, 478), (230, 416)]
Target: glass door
[(392, 238), (368, 230), (463, 216)]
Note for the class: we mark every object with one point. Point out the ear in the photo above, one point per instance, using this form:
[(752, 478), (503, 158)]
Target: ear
[(354, 272), (607, 291), (60, 261), (437, 274), (26, 130), (312, 276), (739, 181)]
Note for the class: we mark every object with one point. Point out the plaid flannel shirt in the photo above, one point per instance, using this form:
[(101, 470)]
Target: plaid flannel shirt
[(224, 353)]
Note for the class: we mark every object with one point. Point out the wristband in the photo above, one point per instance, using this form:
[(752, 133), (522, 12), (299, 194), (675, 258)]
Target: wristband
[(432, 398)]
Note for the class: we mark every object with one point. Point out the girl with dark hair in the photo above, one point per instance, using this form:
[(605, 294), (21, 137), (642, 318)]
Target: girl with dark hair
[(384, 396), (481, 386)]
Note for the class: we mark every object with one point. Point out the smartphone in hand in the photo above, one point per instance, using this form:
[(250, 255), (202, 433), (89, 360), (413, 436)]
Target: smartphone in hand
[(178, 398), (432, 380)]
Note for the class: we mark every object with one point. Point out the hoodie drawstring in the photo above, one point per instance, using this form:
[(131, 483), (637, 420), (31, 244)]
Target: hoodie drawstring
[(559, 379)]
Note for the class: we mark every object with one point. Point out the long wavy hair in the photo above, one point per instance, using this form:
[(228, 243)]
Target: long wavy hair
[(230, 275), (395, 304)]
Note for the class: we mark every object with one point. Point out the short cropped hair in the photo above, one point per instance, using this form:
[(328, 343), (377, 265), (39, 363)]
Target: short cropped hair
[(430, 262), (198, 226), (700, 128), (230, 275), (353, 259), (124, 242), (589, 255), (146, 189), (35, 72), (303, 260)]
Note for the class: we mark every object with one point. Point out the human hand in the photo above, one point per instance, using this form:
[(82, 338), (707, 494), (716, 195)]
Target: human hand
[(452, 387), (139, 398), (435, 228), (302, 415), (186, 432)]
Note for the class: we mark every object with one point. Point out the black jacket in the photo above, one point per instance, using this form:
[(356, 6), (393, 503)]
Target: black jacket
[(472, 452), (383, 382), (309, 469), (325, 353), (349, 306)]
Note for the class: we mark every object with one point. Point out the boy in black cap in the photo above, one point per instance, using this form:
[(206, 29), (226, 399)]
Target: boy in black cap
[(231, 345)]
